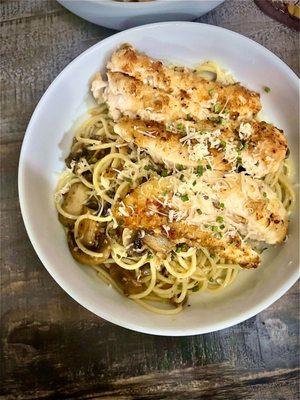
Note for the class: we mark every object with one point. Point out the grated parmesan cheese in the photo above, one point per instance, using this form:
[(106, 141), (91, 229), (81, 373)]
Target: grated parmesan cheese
[(231, 153), (245, 131)]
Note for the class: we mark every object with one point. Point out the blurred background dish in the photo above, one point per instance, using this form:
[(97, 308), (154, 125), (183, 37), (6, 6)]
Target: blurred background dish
[(123, 15)]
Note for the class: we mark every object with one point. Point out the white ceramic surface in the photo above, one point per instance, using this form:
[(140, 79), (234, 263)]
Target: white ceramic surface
[(118, 15), (48, 139)]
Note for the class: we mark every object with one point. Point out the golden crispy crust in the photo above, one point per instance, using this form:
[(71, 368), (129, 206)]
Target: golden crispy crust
[(265, 152), (163, 146), (131, 97), (134, 98), (183, 83), (142, 201), (266, 149), (255, 211)]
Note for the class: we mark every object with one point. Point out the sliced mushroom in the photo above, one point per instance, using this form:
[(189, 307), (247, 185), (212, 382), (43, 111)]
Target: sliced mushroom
[(73, 202), (93, 204), (92, 235), (100, 245), (159, 244), (126, 280)]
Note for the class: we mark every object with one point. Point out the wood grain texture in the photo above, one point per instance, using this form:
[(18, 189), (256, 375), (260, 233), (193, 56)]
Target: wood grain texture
[(53, 348)]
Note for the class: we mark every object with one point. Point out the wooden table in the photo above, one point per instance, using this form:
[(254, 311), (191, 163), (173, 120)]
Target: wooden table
[(51, 347)]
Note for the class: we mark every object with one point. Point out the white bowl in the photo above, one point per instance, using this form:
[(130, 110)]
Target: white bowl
[(118, 15), (48, 139)]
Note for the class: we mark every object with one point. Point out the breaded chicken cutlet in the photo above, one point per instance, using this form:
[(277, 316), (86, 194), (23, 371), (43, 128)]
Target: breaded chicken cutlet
[(213, 211)]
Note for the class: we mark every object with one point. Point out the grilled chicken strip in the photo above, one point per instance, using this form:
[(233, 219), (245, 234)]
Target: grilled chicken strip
[(184, 83), (211, 212), (258, 147), (162, 145), (130, 97)]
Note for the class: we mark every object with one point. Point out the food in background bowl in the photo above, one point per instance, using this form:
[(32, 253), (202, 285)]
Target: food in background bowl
[(122, 15)]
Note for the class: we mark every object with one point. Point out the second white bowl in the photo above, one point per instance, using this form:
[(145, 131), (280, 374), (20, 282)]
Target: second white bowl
[(120, 15)]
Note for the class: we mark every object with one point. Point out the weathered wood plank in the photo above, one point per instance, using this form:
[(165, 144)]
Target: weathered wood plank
[(210, 382), (45, 44), (53, 348)]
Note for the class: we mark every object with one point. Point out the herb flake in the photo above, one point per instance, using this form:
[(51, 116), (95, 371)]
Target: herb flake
[(184, 197)]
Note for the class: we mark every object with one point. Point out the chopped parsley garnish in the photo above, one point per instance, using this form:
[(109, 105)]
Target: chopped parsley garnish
[(267, 89), (165, 193), (181, 247), (194, 183), (239, 160), (221, 205), (214, 228), (128, 180), (264, 194), (181, 178), (149, 255), (164, 172), (219, 219), (188, 117), (199, 170), (180, 127), (179, 167), (211, 91), (195, 288), (218, 120), (184, 197), (222, 226), (217, 108), (148, 167), (243, 146), (208, 167), (223, 144), (199, 211)]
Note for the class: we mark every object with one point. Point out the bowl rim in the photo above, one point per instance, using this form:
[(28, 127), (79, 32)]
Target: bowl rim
[(118, 3), (254, 310), (122, 4)]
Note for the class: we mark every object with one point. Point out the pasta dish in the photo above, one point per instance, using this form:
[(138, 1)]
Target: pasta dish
[(173, 185)]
